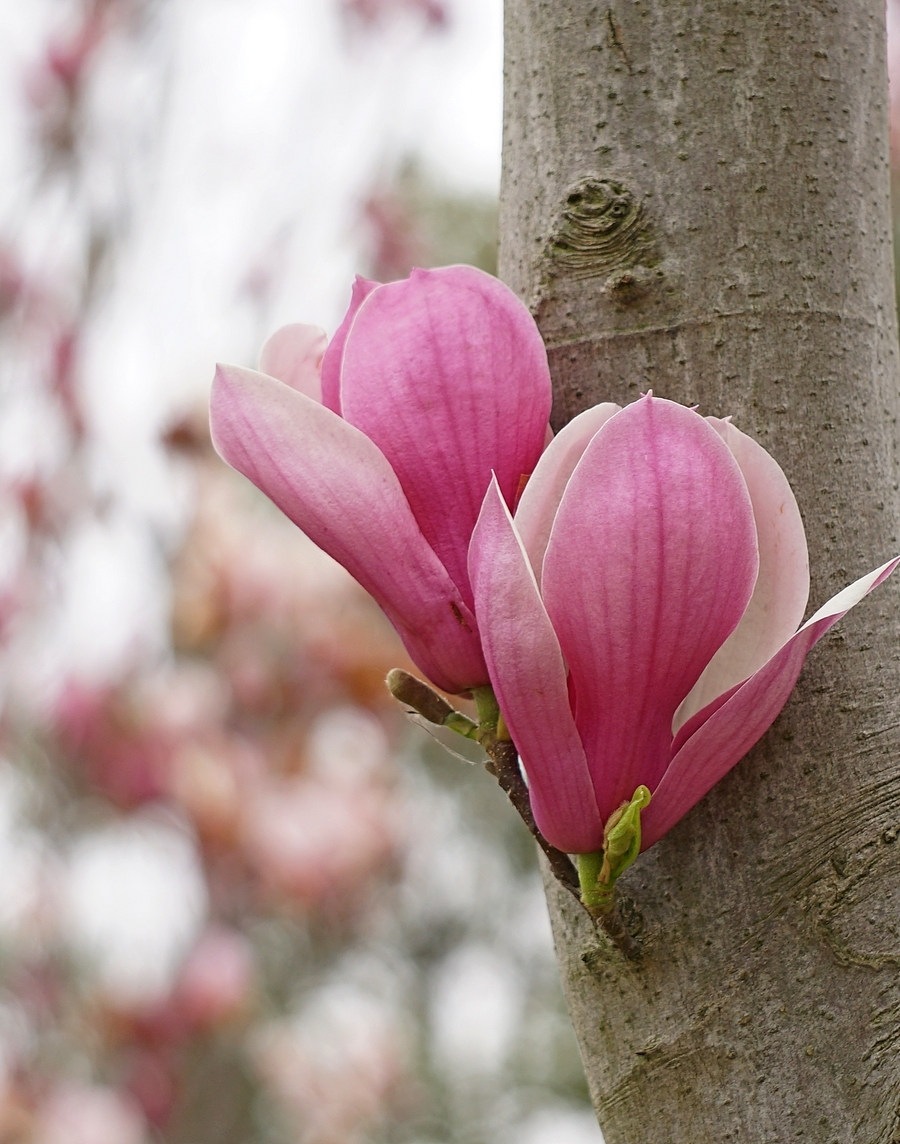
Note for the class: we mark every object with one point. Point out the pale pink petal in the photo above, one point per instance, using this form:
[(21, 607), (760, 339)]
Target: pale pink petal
[(294, 354), (782, 586), (650, 565), (529, 679), (338, 488), (540, 500), (333, 359), (446, 372), (728, 733)]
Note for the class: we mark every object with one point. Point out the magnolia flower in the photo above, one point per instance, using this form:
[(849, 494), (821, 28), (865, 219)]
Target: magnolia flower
[(639, 616), (380, 447)]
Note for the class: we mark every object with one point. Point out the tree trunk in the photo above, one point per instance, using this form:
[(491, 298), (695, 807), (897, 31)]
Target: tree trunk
[(696, 200)]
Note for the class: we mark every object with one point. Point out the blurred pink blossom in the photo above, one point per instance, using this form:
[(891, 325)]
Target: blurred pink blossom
[(121, 751), (216, 981), (397, 245), (151, 1080), (318, 843), (372, 12), (89, 1114), (336, 1069), (893, 57)]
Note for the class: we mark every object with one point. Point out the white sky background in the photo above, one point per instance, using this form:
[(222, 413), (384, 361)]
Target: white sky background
[(276, 127)]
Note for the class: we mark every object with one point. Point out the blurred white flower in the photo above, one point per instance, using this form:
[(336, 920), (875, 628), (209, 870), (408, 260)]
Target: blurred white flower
[(82, 1114), (559, 1125), (476, 999), (135, 899), (336, 1065)]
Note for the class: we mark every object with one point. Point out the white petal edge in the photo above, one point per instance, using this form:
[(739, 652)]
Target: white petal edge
[(722, 740), (293, 354), (538, 503), (782, 584)]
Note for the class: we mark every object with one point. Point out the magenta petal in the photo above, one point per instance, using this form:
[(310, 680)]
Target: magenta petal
[(650, 565), (540, 500), (332, 361), (294, 354), (446, 372), (338, 488), (782, 586), (732, 728), (529, 679)]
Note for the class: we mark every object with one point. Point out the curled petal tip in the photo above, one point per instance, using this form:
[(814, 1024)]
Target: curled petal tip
[(730, 728)]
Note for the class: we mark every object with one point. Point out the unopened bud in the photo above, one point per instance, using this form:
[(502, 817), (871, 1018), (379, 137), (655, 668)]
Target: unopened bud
[(415, 693), (599, 872)]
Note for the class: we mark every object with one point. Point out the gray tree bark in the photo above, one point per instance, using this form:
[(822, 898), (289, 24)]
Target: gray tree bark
[(696, 199)]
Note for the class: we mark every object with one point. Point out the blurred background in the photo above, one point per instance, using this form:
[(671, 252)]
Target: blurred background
[(243, 899)]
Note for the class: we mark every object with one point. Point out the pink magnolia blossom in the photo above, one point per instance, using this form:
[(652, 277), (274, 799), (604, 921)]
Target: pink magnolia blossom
[(380, 447), (216, 982), (639, 616)]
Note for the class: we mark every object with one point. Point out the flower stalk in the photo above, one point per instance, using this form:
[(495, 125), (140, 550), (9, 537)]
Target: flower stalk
[(503, 763), (491, 733)]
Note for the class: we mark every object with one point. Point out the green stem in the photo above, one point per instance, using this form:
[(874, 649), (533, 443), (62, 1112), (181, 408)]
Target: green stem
[(487, 707), (425, 700), (600, 902), (594, 882), (593, 897)]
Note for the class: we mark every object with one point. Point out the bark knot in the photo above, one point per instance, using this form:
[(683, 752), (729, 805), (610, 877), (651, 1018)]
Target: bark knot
[(602, 229)]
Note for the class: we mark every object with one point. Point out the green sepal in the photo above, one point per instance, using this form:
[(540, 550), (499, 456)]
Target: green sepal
[(598, 872), (487, 707)]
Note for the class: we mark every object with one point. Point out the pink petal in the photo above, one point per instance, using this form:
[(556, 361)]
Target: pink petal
[(447, 374), (540, 500), (333, 359), (650, 565), (294, 354), (728, 733), (337, 487), (782, 586), (529, 679)]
